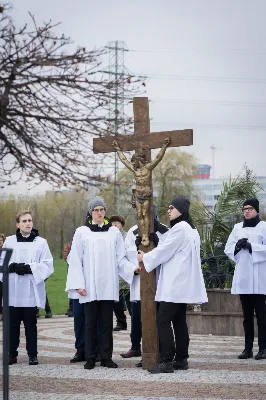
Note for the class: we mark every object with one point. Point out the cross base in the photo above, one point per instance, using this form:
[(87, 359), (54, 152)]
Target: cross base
[(149, 359)]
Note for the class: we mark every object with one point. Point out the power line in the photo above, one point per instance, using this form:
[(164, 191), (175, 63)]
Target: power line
[(238, 52), (209, 102), (211, 126), (206, 78)]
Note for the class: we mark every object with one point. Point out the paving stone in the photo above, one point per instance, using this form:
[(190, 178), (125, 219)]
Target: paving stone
[(215, 373)]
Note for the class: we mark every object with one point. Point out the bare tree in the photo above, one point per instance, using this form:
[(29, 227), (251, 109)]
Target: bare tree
[(52, 101)]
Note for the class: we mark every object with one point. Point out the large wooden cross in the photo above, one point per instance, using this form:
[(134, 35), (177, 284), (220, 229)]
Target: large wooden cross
[(143, 141)]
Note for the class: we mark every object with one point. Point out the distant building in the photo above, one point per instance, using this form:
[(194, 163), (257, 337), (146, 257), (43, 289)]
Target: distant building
[(210, 189), (203, 171)]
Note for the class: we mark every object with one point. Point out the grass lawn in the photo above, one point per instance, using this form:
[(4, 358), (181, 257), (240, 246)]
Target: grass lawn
[(55, 287)]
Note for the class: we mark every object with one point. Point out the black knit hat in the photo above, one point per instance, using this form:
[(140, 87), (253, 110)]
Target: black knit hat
[(181, 203), (253, 203)]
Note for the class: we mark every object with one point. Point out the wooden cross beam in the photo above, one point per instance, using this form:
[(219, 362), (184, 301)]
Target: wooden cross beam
[(143, 141), (151, 140)]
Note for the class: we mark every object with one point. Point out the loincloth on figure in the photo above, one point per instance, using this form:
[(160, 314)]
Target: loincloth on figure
[(141, 198)]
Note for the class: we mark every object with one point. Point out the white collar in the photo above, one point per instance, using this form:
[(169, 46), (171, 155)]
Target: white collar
[(100, 225)]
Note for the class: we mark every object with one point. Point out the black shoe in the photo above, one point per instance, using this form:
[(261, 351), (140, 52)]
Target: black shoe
[(33, 360), (109, 364), (120, 328), (78, 357), (181, 364), (162, 368), (70, 314), (139, 364), (12, 360), (48, 314), (261, 355), (245, 355), (90, 364)]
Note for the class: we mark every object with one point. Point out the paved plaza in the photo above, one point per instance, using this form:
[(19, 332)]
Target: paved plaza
[(214, 373)]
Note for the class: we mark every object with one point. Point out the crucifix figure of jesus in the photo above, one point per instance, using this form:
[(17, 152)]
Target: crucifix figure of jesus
[(142, 170), (142, 141)]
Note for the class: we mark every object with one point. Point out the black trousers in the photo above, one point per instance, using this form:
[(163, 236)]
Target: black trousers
[(47, 305), (136, 325), (251, 303), (70, 305), (128, 302), (28, 316), (173, 345), (100, 312), (79, 326), (1, 295), (119, 311)]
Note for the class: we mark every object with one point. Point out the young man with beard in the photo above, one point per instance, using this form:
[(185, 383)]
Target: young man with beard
[(96, 260), (180, 282), (246, 246), (30, 265)]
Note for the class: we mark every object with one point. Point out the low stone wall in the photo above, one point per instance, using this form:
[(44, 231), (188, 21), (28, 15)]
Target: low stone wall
[(222, 315)]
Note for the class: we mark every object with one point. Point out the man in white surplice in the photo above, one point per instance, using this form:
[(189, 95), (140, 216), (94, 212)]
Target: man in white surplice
[(31, 263), (246, 246), (96, 260), (180, 282)]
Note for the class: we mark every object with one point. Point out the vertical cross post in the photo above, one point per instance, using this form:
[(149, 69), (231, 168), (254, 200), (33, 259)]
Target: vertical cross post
[(147, 281)]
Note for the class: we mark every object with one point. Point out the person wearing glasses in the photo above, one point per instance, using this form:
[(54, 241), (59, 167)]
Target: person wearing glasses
[(96, 259), (30, 265), (246, 246), (180, 283)]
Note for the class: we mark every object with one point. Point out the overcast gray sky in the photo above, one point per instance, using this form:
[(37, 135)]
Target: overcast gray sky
[(206, 60)]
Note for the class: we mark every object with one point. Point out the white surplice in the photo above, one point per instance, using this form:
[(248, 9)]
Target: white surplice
[(131, 251), (96, 260), (181, 279), (250, 270), (29, 290)]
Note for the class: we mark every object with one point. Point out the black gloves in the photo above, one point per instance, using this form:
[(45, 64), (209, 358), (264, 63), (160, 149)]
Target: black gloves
[(248, 247), (23, 269), (243, 244), (154, 238), (20, 268), (11, 268), (138, 241)]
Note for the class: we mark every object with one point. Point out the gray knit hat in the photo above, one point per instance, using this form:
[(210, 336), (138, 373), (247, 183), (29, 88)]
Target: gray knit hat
[(95, 202)]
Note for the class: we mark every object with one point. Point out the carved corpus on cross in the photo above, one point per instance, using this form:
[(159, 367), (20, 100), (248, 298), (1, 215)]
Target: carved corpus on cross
[(142, 141)]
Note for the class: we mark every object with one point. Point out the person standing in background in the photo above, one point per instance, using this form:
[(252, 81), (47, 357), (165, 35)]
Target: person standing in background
[(30, 265), (119, 306)]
